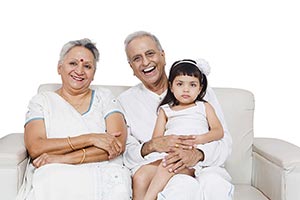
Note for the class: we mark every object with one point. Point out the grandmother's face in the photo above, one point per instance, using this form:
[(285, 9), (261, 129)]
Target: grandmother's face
[(77, 69)]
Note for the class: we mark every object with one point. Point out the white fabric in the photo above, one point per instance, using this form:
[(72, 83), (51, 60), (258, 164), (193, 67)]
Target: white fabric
[(60, 116), (187, 121), (86, 181), (140, 106), (208, 186)]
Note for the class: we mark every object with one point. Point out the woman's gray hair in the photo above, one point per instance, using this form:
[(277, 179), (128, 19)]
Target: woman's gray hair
[(139, 34), (87, 43)]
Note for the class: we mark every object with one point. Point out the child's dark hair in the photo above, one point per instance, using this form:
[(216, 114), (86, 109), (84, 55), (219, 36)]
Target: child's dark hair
[(184, 67)]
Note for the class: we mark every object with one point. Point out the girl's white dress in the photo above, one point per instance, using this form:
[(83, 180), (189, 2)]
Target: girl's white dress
[(107, 180), (189, 121)]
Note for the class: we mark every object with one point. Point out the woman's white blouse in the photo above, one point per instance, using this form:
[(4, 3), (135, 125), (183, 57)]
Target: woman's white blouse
[(62, 119)]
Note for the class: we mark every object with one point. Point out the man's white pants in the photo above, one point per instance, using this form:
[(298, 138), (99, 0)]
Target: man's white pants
[(208, 185)]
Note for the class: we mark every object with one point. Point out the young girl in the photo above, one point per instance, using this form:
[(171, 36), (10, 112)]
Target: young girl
[(183, 111)]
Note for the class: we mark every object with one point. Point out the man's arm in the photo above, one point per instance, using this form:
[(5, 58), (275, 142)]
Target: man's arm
[(132, 156)]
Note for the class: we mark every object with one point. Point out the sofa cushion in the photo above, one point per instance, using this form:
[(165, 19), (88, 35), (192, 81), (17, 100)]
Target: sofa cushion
[(247, 192)]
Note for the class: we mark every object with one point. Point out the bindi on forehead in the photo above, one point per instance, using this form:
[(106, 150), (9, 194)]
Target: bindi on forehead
[(81, 60)]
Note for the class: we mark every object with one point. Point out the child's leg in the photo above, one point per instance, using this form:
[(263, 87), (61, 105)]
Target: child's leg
[(141, 180), (160, 180)]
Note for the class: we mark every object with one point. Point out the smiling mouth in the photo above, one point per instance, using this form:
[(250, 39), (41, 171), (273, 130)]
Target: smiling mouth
[(77, 78), (149, 69)]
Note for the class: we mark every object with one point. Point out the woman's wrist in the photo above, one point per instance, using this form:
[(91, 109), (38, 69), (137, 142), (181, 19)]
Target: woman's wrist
[(91, 139)]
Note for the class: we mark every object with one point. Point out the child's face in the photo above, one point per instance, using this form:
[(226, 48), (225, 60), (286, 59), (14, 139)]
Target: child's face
[(186, 89)]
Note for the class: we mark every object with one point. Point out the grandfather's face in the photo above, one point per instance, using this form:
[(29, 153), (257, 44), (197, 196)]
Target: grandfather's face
[(146, 60), (77, 69)]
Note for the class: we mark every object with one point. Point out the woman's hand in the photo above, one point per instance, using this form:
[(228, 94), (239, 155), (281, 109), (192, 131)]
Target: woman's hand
[(109, 143), (46, 158)]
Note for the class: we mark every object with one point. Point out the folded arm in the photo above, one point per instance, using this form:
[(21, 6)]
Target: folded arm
[(97, 147)]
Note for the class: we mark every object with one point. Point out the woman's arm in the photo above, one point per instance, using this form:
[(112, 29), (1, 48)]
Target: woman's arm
[(116, 127), (160, 125), (37, 142), (215, 127), (58, 150)]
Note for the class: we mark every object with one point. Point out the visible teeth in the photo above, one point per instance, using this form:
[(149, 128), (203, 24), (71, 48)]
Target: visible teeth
[(148, 69), (77, 78)]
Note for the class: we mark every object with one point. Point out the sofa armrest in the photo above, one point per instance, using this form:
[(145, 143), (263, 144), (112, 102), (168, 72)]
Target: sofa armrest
[(13, 160), (12, 149), (276, 168)]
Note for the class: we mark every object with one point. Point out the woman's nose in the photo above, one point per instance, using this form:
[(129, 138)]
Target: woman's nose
[(79, 69)]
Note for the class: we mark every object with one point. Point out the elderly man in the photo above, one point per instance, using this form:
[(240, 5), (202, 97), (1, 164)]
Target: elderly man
[(147, 60)]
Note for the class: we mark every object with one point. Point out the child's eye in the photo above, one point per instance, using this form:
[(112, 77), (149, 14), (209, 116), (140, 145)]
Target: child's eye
[(194, 85), (179, 84)]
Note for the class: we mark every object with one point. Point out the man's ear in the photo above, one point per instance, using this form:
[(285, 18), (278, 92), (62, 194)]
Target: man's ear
[(131, 68), (130, 64), (162, 53)]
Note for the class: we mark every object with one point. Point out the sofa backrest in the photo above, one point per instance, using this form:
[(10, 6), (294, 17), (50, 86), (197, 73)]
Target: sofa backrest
[(238, 109)]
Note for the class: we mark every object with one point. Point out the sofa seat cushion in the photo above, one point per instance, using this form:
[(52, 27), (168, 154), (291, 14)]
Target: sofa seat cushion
[(247, 192)]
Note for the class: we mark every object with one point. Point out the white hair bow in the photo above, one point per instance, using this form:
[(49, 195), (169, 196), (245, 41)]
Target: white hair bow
[(203, 66)]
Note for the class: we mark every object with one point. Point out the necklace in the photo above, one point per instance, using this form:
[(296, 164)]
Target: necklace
[(77, 106)]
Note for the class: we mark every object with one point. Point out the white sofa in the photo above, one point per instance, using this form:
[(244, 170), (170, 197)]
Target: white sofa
[(261, 168)]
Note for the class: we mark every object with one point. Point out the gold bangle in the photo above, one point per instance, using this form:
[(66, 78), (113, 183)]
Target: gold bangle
[(83, 156), (71, 145)]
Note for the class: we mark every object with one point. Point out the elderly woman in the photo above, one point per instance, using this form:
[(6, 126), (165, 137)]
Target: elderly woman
[(75, 135)]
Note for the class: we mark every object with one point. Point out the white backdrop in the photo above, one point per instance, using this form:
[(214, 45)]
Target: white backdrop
[(253, 45)]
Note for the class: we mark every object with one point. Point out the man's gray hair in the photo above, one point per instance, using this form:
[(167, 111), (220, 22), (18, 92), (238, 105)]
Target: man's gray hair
[(87, 43), (139, 34)]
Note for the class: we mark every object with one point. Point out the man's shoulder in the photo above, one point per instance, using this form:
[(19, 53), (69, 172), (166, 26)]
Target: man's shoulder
[(131, 92)]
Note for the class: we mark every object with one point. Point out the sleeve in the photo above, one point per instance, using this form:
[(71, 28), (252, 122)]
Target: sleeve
[(36, 109), (216, 152), (132, 156), (110, 104), (166, 108)]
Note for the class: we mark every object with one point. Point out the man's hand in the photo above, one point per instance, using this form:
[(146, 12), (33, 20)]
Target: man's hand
[(167, 143), (182, 158)]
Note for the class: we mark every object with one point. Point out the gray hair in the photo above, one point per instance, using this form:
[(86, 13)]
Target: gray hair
[(139, 34), (87, 43)]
